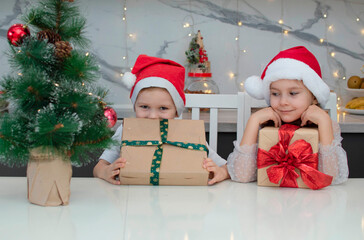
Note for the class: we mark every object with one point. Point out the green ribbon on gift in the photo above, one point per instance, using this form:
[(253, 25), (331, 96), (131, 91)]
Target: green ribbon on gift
[(157, 157)]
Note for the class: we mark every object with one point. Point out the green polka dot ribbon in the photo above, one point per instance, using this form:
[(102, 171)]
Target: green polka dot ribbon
[(157, 157)]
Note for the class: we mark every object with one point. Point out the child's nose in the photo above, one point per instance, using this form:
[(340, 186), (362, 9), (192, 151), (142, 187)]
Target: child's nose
[(284, 100), (153, 114)]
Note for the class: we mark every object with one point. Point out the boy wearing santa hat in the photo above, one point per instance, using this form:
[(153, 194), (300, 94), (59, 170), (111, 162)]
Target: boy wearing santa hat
[(292, 86), (157, 93)]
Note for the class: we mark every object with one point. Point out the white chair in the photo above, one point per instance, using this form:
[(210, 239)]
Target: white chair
[(250, 103), (214, 102)]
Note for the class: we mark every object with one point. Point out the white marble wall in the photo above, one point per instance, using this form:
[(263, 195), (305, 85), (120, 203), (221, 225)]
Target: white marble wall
[(158, 30)]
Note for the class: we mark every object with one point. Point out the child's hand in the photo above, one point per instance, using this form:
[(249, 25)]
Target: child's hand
[(266, 114), (319, 117), (219, 173), (256, 119), (109, 172), (316, 115)]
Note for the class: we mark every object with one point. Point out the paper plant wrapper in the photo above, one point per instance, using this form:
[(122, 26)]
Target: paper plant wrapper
[(179, 166), (268, 137), (49, 177)]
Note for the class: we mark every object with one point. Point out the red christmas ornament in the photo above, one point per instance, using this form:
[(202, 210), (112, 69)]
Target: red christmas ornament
[(17, 33), (111, 116)]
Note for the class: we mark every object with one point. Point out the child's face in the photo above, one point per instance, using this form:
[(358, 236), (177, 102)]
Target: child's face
[(290, 98), (155, 103)]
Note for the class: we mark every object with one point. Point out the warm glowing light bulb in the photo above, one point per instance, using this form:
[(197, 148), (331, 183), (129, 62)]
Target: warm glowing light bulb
[(130, 35), (232, 75), (335, 74), (124, 8), (124, 57), (20, 74), (286, 32), (240, 23), (331, 28), (189, 34), (325, 15), (56, 84), (344, 78), (186, 25), (236, 39), (280, 21), (321, 40), (121, 74), (124, 18), (332, 54), (362, 32), (244, 51), (357, 19), (87, 54)]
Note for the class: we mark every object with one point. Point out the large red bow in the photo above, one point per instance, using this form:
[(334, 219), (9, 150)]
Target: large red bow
[(288, 157)]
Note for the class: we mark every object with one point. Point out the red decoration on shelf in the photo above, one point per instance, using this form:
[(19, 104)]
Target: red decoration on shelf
[(111, 116), (17, 33)]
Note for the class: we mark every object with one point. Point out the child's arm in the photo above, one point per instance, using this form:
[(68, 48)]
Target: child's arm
[(242, 165), (109, 171), (219, 173), (332, 157)]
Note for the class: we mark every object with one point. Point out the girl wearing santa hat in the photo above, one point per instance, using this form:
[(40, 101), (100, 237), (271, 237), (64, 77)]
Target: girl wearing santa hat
[(292, 86), (157, 93)]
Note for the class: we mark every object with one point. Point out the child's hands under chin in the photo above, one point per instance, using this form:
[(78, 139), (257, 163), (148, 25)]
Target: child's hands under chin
[(219, 173), (316, 115), (266, 114)]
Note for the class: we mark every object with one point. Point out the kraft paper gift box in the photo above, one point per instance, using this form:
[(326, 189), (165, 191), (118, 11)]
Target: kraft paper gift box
[(288, 157), (177, 165)]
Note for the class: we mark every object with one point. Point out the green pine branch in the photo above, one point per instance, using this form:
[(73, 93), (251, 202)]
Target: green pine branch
[(57, 103)]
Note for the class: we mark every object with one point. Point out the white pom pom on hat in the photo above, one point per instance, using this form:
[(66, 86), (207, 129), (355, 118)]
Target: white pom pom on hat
[(254, 85), (128, 80), (295, 63)]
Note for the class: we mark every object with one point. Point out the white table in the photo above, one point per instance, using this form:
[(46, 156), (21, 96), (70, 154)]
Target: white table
[(228, 210)]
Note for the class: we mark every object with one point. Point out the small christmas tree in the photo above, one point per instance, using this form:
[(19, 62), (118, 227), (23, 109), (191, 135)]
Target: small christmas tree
[(196, 55), (56, 104)]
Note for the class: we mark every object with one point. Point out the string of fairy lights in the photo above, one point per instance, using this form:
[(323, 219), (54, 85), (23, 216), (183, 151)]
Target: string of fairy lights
[(127, 36), (188, 23)]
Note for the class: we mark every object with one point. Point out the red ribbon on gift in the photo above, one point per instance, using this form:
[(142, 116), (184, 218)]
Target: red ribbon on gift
[(288, 157)]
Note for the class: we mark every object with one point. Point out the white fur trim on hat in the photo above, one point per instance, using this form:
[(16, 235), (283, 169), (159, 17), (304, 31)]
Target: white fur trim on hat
[(288, 68), (254, 87), (128, 80), (162, 83)]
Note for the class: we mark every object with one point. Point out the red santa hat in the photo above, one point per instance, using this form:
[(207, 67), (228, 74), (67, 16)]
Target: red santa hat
[(294, 63), (157, 72)]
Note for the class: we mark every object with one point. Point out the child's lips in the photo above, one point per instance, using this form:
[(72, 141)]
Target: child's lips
[(285, 111)]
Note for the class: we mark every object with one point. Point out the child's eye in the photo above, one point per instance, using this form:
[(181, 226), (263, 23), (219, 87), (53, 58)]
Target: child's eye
[(274, 94), (293, 93), (163, 108), (144, 106)]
